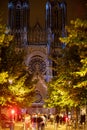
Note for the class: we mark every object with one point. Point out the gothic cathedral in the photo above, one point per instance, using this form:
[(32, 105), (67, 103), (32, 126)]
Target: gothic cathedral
[(40, 43)]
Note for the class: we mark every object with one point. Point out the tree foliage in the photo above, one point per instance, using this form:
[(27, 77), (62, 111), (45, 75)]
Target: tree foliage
[(69, 87), (16, 85), (14, 91)]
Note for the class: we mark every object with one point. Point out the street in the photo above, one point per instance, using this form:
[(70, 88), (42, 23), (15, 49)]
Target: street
[(19, 126)]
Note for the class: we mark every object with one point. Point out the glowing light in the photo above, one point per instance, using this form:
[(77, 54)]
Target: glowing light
[(12, 111)]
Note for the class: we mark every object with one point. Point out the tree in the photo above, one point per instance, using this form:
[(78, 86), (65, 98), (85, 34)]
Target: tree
[(14, 85), (77, 36), (3, 74), (69, 87), (17, 89)]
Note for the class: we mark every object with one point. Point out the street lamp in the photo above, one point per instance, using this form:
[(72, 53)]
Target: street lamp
[(10, 81)]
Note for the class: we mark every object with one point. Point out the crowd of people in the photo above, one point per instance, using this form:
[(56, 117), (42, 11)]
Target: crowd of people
[(35, 122), (40, 121)]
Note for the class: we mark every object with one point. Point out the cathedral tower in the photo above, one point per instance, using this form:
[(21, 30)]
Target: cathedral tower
[(56, 18), (55, 26), (18, 20)]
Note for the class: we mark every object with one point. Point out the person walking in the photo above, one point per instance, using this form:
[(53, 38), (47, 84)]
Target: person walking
[(34, 122), (39, 122), (43, 123), (56, 121), (27, 122)]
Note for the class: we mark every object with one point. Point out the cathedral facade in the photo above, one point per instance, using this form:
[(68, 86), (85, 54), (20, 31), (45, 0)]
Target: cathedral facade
[(40, 43)]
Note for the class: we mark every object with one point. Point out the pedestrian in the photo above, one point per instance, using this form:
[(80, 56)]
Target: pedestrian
[(52, 118), (57, 121), (43, 122), (82, 119), (34, 122), (27, 122), (61, 119), (46, 119), (39, 122)]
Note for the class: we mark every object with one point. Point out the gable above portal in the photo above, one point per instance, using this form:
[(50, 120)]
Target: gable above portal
[(37, 35)]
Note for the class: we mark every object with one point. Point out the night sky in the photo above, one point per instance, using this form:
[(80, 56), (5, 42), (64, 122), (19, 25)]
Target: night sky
[(75, 9)]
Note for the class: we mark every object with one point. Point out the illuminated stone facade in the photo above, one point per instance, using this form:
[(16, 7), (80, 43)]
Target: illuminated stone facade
[(40, 43)]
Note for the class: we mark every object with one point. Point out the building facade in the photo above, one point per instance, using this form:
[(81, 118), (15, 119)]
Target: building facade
[(40, 43)]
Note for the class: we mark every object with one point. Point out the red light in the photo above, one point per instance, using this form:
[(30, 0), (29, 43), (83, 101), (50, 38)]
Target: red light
[(12, 111), (66, 118)]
